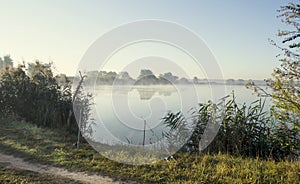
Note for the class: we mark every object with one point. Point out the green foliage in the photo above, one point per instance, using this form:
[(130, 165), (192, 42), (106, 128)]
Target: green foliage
[(289, 15), (239, 130), (52, 147), (285, 83), (178, 134), (82, 110), (5, 62), (33, 93)]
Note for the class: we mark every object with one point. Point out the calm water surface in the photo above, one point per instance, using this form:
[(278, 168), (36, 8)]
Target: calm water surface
[(120, 112)]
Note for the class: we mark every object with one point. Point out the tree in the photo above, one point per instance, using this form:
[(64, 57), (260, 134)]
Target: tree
[(124, 78), (290, 15), (6, 61), (82, 109), (195, 80), (183, 80), (285, 82), (167, 78), (146, 77)]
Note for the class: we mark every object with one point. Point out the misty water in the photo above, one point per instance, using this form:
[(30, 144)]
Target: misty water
[(121, 112)]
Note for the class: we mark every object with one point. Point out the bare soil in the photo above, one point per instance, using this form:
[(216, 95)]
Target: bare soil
[(18, 163)]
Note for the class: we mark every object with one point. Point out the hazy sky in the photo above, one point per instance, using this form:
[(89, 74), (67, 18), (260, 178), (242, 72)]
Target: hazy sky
[(61, 31)]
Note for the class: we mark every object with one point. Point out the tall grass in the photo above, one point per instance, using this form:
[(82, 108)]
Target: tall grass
[(241, 130), (47, 146), (33, 94)]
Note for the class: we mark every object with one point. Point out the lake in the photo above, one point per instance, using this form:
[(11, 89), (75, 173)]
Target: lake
[(122, 113)]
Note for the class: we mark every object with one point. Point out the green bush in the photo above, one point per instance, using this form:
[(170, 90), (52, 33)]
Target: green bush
[(242, 130), (33, 94)]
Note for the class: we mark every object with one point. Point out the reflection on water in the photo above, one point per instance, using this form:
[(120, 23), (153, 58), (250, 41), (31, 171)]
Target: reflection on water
[(146, 93), (120, 111)]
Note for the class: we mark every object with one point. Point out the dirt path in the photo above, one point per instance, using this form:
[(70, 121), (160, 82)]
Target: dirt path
[(13, 162)]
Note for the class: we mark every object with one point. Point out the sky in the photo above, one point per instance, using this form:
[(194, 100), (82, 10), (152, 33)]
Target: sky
[(61, 31)]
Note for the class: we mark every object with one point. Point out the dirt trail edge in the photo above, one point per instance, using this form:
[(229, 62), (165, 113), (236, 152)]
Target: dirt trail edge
[(19, 163)]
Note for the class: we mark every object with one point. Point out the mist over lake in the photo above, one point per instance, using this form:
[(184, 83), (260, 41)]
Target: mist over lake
[(120, 110)]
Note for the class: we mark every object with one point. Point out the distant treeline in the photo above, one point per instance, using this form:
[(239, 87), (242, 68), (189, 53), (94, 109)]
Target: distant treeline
[(147, 77)]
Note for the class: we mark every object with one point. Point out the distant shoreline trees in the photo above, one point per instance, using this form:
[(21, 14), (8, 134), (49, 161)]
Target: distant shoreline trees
[(147, 77)]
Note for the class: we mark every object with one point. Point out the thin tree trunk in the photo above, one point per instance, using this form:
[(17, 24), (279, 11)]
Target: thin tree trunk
[(144, 137), (79, 127), (74, 97)]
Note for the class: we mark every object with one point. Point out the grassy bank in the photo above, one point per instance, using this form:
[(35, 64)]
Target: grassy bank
[(56, 148), (21, 176)]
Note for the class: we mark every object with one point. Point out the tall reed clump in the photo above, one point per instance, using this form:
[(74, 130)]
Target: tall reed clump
[(32, 93), (239, 130)]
